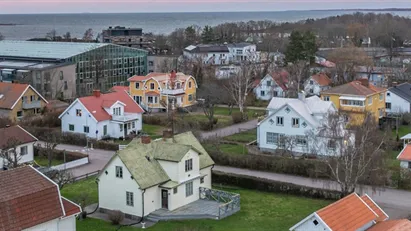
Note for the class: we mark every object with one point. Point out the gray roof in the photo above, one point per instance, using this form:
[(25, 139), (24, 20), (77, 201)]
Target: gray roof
[(239, 45), (45, 50), (402, 90), (205, 48), (29, 65)]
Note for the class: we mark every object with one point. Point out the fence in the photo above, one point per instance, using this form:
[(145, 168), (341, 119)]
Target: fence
[(86, 176), (72, 164), (231, 201)]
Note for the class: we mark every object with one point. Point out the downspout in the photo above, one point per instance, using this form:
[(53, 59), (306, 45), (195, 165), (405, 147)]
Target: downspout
[(142, 214)]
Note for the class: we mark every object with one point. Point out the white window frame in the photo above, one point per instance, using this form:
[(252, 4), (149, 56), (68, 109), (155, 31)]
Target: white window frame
[(280, 121), (137, 85), (189, 189), (188, 165), (119, 172), (326, 98), (295, 122), (130, 199), (24, 150)]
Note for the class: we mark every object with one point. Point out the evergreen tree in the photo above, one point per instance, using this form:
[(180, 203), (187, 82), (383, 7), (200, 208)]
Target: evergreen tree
[(190, 35), (302, 47), (207, 36)]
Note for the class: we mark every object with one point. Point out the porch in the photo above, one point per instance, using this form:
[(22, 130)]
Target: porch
[(213, 204)]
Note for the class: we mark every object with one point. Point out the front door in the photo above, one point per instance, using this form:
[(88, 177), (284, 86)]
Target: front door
[(164, 199), (125, 130)]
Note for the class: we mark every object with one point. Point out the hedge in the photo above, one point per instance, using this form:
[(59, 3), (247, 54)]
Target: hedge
[(255, 183), (59, 154)]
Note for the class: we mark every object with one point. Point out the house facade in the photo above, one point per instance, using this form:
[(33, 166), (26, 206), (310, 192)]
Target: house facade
[(316, 84), (290, 122), (378, 76), (32, 202), (405, 157), (155, 174), (18, 100), (240, 52), (398, 99), (154, 90), (114, 115), (356, 99), (272, 85)]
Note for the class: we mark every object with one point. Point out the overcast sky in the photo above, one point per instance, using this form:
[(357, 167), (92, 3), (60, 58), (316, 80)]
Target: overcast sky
[(114, 6)]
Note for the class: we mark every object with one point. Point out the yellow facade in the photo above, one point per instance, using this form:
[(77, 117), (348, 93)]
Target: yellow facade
[(31, 97)]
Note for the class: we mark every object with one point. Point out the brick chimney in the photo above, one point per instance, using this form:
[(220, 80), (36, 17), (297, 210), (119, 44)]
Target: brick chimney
[(96, 93), (167, 134), (364, 82), (145, 139)]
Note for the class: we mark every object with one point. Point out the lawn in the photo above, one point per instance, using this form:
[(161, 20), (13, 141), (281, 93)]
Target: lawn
[(402, 131), (155, 131), (259, 211), (243, 137), (237, 149), (252, 113), (75, 190), (44, 162)]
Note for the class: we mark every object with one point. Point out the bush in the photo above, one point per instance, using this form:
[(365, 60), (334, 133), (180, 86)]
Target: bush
[(255, 183), (59, 154), (237, 117), (116, 217), (155, 120), (49, 119), (215, 121)]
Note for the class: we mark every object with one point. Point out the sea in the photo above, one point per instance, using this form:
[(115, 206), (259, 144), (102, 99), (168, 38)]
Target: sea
[(26, 26)]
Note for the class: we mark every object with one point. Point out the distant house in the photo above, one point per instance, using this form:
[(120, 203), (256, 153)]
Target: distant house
[(32, 202), (113, 115), (405, 156), (398, 99), (350, 213), (288, 122), (378, 76), (272, 85), (20, 140), (240, 52), (19, 100), (317, 83), (155, 174)]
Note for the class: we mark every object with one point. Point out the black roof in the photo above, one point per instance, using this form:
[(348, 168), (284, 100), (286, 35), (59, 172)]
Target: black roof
[(209, 48), (402, 90)]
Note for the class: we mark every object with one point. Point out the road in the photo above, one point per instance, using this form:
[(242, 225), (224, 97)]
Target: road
[(228, 131)]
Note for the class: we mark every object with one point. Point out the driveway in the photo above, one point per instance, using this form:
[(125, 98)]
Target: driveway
[(230, 130), (396, 203)]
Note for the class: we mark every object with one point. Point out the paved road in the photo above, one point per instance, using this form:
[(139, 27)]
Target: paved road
[(396, 203), (228, 131), (248, 107)]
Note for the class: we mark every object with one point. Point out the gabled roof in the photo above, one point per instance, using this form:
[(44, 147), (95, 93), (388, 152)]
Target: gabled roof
[(405, 154), (382, 216), (402, 90), (281, 78), (354, 88), (119, 88), (322, 79), (10, 93), (28, 198), (15, 135), (137, 78), (392, 225), (347, 214), (206, 48)]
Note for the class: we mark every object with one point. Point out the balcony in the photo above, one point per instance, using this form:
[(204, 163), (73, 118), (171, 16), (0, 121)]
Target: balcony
[(32, 104), (125, 118), (172, 91)]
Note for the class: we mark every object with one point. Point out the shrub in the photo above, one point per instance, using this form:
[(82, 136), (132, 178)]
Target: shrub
[(215, 121), (155, 120), (59, 154), (116, 217), (49, 119), (237, 117)]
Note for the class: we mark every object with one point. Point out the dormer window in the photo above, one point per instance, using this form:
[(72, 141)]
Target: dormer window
[(117, 111), (137, 85)]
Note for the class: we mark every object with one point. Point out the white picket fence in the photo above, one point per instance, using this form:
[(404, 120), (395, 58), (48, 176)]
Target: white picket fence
[(72, 164)]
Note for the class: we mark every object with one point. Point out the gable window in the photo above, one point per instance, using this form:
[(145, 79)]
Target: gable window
[(78, 112), (189, 165), (268, 83), (388, 93), (175, 190), (312, 91), (388, 105), (137, 85), (331, 144), (370, 100), (23, 150), (262, 93), (130, 198), (189, 84), (86, 129), (381, 96), (315, 222), (189, 189), (71, 127), (280, 121), (295, 122), (119, 172), (152, 86), (326, 98), (178, 85), (311, 82)]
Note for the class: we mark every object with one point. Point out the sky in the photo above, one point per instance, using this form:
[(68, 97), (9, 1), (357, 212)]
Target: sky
[(120, 6)]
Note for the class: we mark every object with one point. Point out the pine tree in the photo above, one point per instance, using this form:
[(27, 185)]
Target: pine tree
[(207, 36)]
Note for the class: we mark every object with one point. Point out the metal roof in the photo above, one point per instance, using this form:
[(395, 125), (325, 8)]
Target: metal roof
[(29, 65), (45, 50)]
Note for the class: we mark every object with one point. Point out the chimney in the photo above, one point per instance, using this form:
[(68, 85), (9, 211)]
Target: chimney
[(96, 93), (173, 77), (394, 84), (167, 134), (301, 96), (145, 139), (364, 82)]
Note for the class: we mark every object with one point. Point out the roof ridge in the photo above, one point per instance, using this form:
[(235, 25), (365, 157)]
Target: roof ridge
[(335, 203)]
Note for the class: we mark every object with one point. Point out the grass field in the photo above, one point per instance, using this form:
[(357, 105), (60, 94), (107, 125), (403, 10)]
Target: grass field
[(237, 149), (243, 137), (226, 112), (42, 161), (402, 131), (75, 190), (155, 131)]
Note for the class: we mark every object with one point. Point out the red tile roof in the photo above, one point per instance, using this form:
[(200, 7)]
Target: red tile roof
[(354, 88), (393, 225), (119, 88), (27, 199), (15, 135), (405, 154), (281, 78), (11, 93), (347, 214), (322, 79), (137, 78), (95, 105), (70, 208), (382, 216)]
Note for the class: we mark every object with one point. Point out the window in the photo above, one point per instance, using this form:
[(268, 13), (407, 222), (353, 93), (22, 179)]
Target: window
[(130, 198), (117, 111), (133, 124), (370, 100), (121, 127), (409, 164), (189, 189), (23, 150), (311, 82), (275, 93), (388, 105), (381, 96), (202, 180), (287, 110), (272, 138), (175, 190), (178, 85), (189, 165), (65, 85), (315, 222), (268, 83), (357, 103), (129, 126), (78, 112), (24, 98), (388, 93), (295, 122), (32, 98), (86, 129), (301, 140), (326, 98), (105, 130), (151, 86), (331, 144), (311, 91), (119, 172), (189, 84), (262, 93), (190, 97), (280, 121), (150, 99), (304, 124), (71, 127)]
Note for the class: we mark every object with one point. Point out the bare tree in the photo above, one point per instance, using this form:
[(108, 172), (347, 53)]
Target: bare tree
[(210, 94), (298, 74), (10, 153), (50, 142), (51, 35), (88, 35), (61, 177), (67, 36)]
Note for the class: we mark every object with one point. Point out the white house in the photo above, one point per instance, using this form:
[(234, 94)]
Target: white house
[(405, 156), (398, 99), (208, 53), (317, 83), (32, 202), (240, 52), (349, 213), (289, 122), (272, 85), (150, 175), (113, 115), (18, 139)]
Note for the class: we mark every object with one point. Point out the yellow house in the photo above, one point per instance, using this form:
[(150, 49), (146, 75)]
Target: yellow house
[(356, 99), (18, 100), (153, 90)]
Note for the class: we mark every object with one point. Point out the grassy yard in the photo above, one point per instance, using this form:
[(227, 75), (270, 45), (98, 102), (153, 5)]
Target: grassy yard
[(43, 161), (259, 211), (237, 149), (402, 131), (75, 190), (226, 112), (243, 137), (155, 131)]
